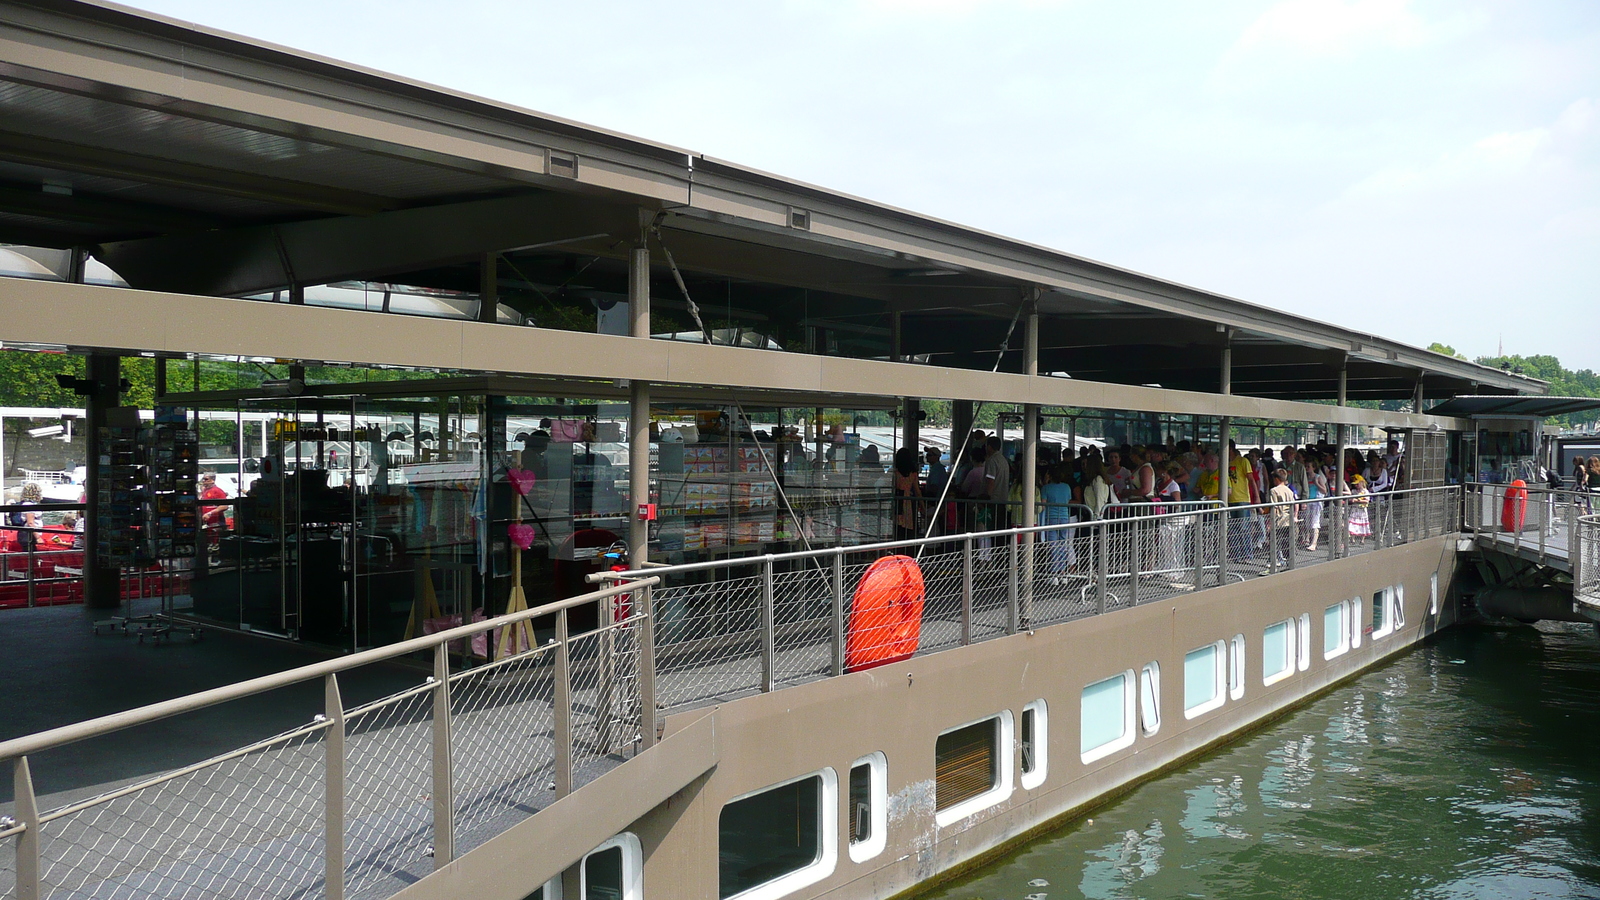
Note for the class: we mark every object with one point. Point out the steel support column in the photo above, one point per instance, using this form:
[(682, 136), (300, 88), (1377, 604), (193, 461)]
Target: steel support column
[(639, 409), (102, 587), (1030, 463)]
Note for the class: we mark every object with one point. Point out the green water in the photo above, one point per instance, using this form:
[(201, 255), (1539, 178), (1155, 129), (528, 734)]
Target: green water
[(1468, 768)]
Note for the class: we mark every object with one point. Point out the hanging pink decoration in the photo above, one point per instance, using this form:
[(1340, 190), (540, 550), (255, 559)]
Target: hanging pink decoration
[(520, 534), (521, 480)]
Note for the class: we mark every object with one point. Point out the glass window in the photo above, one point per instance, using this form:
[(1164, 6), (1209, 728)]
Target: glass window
[(1397, 597), (610, 871), (869, 806), (1335, 635), (970, 770), (1304, 633), (1354, 620), (1035, 741), (780, 837), (1433, 594), (1150, 698), (1277, 644), (1202, 679), (1106, 712), (1236, 667), (1380, 618)]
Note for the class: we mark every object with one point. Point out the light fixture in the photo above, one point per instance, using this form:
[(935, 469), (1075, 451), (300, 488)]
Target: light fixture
[(46, 431)]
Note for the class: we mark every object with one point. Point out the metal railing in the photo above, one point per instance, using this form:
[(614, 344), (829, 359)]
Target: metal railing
[(355, 801), (360, 800), (1539, 522), (1586, 560), (730, 627)]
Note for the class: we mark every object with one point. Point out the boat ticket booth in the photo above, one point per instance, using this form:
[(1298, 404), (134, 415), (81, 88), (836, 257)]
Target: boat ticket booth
[(361, 514)]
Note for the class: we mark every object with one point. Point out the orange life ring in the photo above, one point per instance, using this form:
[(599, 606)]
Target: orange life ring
[(1514, 511), (885, 614)]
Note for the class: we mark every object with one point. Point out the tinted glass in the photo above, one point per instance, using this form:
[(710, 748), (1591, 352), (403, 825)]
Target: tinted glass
[(769, 835)]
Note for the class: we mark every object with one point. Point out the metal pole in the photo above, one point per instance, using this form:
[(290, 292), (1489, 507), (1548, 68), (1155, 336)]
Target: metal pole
[(489, 288), (1272, 541), (562, 714), (1134, 528), (333, 790), (966, 590), (1224, 494), (1102, 564), (1198, 540), (1030, 466), (647, 666), (1294, 533), (27, 809), (444, 837), (768, 638), (1013, 613), (838, 612)]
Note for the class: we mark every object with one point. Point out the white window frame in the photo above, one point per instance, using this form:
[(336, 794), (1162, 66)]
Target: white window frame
[(1398, 608), (1041, 744), (1433, 594), (632, 867), (1384, 599), (1129, 686), (1236, 667), (552, 888), (1219, 679), (1305, 641), (878, 790), (1150, 714), (1290, 642), (1000, 793), (827, 835), (1358, 622), (1343, 606)]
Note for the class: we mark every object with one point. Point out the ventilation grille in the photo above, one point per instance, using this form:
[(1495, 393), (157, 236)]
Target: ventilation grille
[(563, 164)]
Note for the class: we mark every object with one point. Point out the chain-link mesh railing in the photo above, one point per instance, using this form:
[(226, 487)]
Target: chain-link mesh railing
[(423, 774), (1586, 560), (1532, 521), (708, 640)]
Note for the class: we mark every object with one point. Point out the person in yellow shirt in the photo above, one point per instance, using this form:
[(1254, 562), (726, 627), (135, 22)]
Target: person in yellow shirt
[(1241, 476), (1208, 485)]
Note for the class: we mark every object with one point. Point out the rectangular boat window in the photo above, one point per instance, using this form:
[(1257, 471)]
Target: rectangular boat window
[(1397, 598), (1034, 731), (1150, 698), (1335, 634), (1305, 641), (868, 806), (1382, 624), (778, 839), (970, 771), (1236, 667), (1277, 647), (1354, 620), (1203, 679), (1105, 711), (611, 871), (1433, 594)]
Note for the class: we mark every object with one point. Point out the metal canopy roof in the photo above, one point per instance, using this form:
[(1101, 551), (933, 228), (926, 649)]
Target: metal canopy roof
[(198, 162), (1500, 405)]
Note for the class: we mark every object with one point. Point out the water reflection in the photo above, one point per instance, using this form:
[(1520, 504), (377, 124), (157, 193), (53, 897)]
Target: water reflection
[(1469, 768)]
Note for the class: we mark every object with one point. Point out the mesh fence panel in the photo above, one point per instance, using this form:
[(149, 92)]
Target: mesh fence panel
[(502, 744), (803, 621), (1586, 571), (708, 640), (991, 580), (389, 794), (941, 609), (249, 826), (605, 701)]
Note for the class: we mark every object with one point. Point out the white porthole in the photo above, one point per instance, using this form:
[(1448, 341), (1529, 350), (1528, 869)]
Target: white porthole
[(868, 806), (1336, 630), (1305, 641), (1204, 679), (1105, 711), (1236, 667), (613, 871), (1150, 698), (1034, 742), (1356, 621), (1277, 651)]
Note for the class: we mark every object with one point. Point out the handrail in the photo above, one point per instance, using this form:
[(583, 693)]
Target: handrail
[(67, 734)]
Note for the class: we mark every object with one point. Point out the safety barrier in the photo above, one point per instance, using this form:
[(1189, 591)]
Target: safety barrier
[(1586, 561), (1534, 521)]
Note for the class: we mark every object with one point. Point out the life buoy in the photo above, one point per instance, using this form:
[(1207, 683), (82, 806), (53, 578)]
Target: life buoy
[(1514, 511), (885, 614)]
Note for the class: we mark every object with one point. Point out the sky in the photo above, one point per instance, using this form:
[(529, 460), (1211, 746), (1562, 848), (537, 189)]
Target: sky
[(1426, 171)]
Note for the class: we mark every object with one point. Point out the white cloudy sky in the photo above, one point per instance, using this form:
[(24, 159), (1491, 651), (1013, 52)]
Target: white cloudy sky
[(1424, 170)]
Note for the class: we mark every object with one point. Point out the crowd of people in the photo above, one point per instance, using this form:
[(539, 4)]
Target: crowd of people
[(983, 489)]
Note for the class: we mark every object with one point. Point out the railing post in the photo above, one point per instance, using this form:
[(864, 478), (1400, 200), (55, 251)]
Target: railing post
[(27, 808), (333, 790), (1198, 539), (647, 666), (1295, 512), (1224, 524), (1013, 611), (562, 714), (1102, 564), (1272, 541), (837, 625), (32, 571), (966, 590), (605, 688), (768, 626), (444, 837)]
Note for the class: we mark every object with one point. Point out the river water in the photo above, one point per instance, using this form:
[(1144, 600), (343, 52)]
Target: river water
[(1467, 768)]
